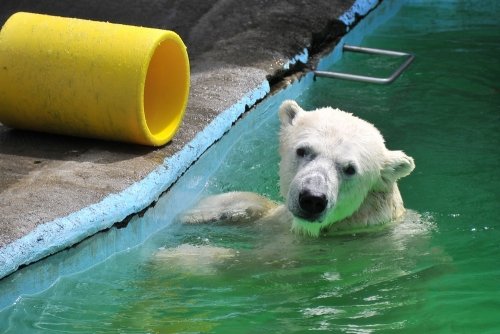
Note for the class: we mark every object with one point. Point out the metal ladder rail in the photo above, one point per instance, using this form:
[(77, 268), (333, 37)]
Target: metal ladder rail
[(347, 76)]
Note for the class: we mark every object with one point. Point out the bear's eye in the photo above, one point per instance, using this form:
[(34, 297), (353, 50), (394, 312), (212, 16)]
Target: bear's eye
[(301, 152), (349, 170)]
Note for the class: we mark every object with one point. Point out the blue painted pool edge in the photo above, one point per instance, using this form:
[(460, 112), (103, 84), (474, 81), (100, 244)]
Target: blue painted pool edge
[(61, 233), (360, 8), (64, 232)]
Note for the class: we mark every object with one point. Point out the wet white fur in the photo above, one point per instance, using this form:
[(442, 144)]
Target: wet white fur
[(335, 139)]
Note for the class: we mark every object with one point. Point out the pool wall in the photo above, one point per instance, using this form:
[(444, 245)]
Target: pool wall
[(75, 239)]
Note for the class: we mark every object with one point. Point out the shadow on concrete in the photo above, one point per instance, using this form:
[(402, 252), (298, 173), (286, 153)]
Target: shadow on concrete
[(45, 146)]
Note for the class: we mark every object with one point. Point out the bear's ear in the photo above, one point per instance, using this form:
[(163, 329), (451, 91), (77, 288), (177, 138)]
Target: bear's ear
[(288, 112), (396, 165)]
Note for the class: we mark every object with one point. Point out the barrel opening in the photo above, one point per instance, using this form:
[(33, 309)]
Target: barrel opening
[(166, 90)]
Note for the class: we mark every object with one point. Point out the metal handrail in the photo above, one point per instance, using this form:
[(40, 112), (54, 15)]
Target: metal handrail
[(363, 78)]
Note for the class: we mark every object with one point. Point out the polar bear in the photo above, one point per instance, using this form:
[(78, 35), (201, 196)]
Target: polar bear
[(336, 176)]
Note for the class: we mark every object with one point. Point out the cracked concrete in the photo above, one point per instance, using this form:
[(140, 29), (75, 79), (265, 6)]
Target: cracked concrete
[(234, 46)]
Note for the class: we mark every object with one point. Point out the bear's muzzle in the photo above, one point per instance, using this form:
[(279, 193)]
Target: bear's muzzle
[(312, 198)]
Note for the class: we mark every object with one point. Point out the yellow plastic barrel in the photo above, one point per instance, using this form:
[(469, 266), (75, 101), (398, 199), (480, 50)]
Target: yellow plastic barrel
[(92, 79)]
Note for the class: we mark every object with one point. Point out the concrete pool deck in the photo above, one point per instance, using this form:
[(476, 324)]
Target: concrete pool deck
[(57, 190)]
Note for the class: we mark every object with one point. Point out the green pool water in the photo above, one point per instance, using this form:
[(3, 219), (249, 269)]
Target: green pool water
[(438, 272)]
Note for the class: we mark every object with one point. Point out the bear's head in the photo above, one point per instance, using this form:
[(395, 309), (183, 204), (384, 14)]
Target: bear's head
[(331, 164)]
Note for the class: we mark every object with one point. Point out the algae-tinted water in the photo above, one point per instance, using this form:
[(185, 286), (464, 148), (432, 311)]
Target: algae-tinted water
[(439, 272)]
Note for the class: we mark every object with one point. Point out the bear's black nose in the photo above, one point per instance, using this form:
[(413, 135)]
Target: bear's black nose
[(312, 204)]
